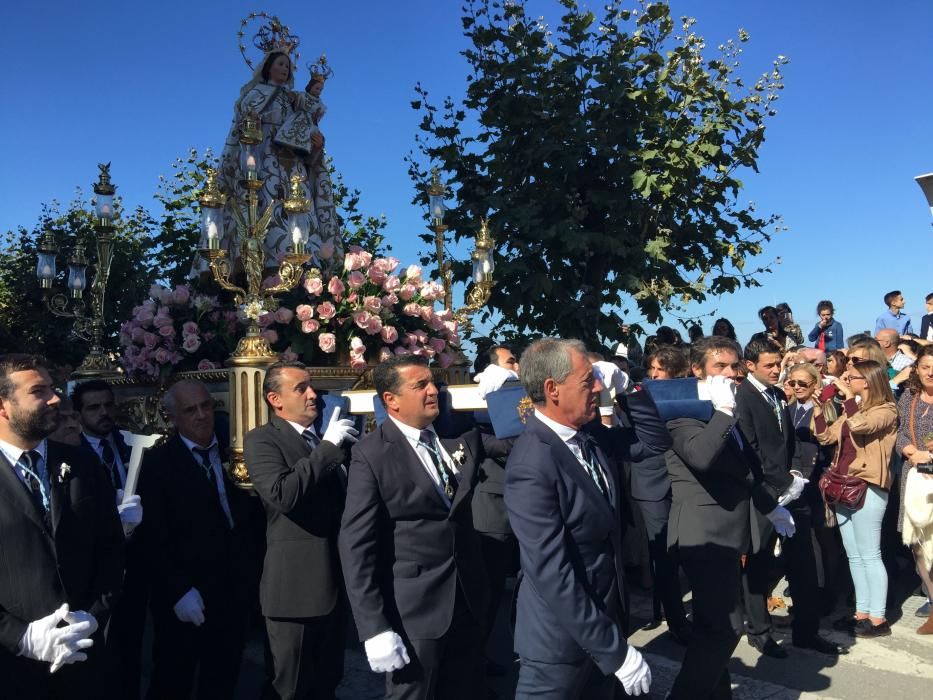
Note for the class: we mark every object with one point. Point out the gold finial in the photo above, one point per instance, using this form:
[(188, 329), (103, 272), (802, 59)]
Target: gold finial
[(296, 203), (437, 188), (250, 132), (484, 241), (211, 196), (103, 185), (272, 36)]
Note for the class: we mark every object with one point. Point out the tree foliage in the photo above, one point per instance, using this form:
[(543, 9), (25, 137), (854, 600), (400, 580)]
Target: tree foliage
[(606, 155)]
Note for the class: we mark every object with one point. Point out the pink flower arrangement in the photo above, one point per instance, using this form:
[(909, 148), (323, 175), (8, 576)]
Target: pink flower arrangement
[(177, 330), (364, 310)]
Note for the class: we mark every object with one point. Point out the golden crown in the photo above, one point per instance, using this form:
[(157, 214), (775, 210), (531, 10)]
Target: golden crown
[(272, 36), (319, 70)]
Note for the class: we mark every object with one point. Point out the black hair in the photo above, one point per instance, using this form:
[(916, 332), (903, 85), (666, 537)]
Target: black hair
[(891, 296), (77, 394), (386, 376), (759, 346)]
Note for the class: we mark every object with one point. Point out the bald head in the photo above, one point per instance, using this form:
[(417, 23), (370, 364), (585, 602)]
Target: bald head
[(887, 338), (190, 408), (815, 357)]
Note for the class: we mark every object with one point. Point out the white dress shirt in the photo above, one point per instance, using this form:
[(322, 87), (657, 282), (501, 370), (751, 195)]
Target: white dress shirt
[(13, 453), (413, 435), (98, 446)]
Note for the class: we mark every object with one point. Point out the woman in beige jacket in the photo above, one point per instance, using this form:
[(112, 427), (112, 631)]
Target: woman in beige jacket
[(864, 437)]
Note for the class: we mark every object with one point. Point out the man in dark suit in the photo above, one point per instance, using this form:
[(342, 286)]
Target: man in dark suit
[(926, 322), (199, 542), (94, 403), (299, 476), (411, 558), (710, 525), (563, 493), (60, 543), (767, 427)]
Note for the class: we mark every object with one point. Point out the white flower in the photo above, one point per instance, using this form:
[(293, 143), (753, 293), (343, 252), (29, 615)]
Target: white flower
[(64, 472), (459, 455), (251, 311)]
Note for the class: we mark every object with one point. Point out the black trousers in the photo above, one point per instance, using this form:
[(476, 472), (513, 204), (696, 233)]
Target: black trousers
[(307, 654), (124, 638), (704, 674), (664, 568), (500, 556), (800, 565), (212, 652), (579, 681), (451, 667)]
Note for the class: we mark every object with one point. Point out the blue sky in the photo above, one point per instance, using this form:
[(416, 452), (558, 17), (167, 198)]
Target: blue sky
[(138, 84)]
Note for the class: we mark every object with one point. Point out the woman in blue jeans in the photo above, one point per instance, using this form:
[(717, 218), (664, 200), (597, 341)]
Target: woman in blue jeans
[(864, 437)]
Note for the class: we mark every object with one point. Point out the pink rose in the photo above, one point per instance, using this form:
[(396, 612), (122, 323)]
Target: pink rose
[(327, 342), (155, 291), (356, 279), (412, 309), (166, 297), (384, 353), (361, 318), (314, 286), (372, 304), (446, 359), (374, 326), (205, 365), (284, 315), (352, 261), (310, 326), (181, 295), (167, 331), (437, 344), (271, 281), (356, 345), (352, 297), (376, 275), (138, 335), (162, 319), (427, 313), (413, 274), (150, 340), (451, 326), (162, 356), (406, 292), (289, 355), (391, 284), (429, 291), (421, 336), (436, 323), (389, 300), (389, 334), (326, 251), (265, 319), (190, 328), (191, 344), (326, 310), (402, 350), (144, 317), (270, 335), (304, 312), (411, 339), (357, 361), (336, 288)]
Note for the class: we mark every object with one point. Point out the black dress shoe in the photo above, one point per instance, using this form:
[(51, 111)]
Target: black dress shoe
[(873, 630), (846, 623), (768, 647), (824, 646)]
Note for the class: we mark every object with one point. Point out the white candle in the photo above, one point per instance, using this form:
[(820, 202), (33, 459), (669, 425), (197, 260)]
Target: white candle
[(105, 210), (46, 272), (211, 230), (296, 234), (251, 164)]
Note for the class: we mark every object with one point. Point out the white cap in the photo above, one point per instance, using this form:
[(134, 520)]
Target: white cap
[(621, 350)]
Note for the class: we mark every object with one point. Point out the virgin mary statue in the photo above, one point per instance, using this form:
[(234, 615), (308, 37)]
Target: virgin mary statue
[(269, 94)]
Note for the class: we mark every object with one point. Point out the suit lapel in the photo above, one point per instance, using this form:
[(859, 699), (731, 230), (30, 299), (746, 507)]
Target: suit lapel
[(58, 489), (405, 456), (466, 468), (15, 492)]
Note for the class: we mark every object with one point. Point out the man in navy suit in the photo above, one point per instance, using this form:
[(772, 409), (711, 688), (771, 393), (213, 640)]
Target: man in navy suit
[(410, 556), (60, 544), (563, 495)]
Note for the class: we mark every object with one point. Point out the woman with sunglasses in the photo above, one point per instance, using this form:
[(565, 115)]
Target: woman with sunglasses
[(811, 459), (864, 437), (915, 445)]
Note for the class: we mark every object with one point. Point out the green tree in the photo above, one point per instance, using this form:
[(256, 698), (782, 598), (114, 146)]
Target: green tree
[(606, 155)]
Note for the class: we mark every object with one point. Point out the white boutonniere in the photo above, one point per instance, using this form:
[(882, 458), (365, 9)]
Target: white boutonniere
[(458, 456), (64, 472)]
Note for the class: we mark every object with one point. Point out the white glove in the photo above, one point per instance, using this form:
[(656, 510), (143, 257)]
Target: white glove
[(794, 490), (634, 675), (783, 521), (190, 608), (340, 430), (721, 393), (386, 652), (130, 512), (44, 640), (492, 378), (615, 383)]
